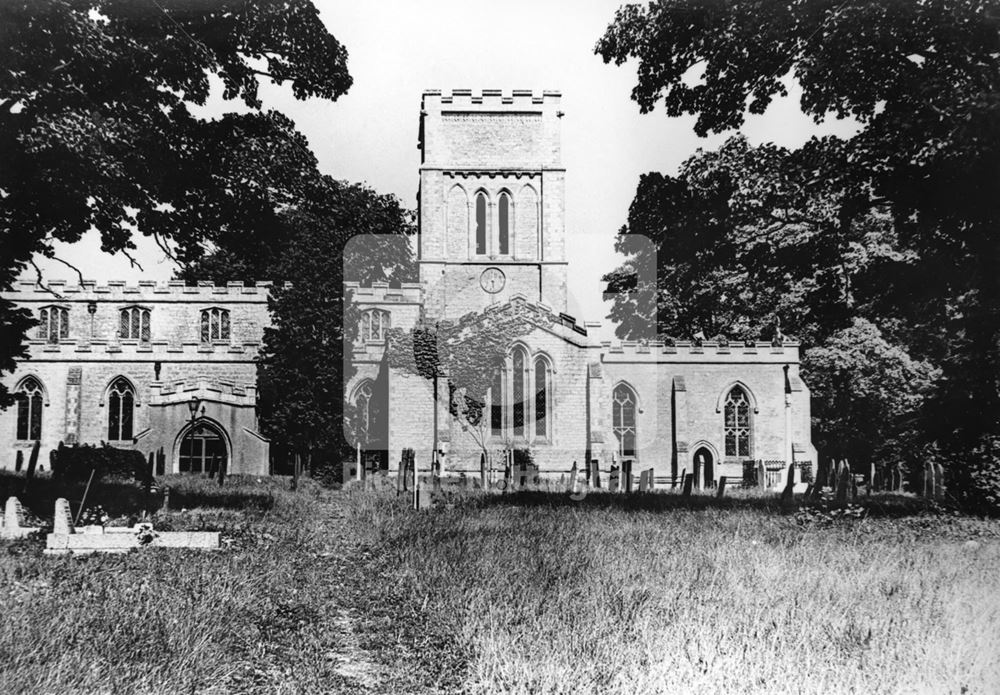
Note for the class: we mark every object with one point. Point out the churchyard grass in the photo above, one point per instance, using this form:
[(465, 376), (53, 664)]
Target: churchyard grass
[(351, 591)]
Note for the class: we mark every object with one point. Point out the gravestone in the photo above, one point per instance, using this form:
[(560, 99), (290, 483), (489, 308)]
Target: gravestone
[(18, 461), (613, 478), (787, 493), (761, 475), (644, 481), (13, 514), (573, 474), (595, 466), (62, 522), (938, 481), (482, 470), (845, 483), (871, 477), (627, 474), (722, 487), (688, 483)]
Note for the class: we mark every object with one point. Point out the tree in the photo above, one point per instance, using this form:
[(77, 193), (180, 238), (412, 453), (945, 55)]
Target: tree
[(95, 129), (466, 355), (303, 367), (923, 80)]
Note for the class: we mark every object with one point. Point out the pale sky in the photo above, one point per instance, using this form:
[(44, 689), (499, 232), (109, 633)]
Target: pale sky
[(398, 48)]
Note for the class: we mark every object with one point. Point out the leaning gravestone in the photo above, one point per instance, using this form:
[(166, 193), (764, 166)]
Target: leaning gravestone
[(62, 522), (688, 483), (722, 487), (18, 461)]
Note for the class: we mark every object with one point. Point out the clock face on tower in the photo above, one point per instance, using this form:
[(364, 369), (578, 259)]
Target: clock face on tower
[(492, 280)]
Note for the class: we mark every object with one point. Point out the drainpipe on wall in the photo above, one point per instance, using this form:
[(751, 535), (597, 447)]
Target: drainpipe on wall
[(789, 455)]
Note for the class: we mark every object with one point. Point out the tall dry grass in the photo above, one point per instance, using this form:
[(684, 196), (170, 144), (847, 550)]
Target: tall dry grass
[(547, 596)]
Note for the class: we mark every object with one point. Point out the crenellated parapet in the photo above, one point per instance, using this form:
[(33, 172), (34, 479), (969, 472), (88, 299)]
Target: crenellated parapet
[(82, 350), (144, 290), (205, 388), (708, 351), (492, 98), (382, 293)]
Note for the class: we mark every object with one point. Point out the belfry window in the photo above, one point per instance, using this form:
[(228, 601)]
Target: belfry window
[(29, 410), (53, 324), (623, 405), (504, 225), (481, 224), (214, 325), (374, 324), (134, 324), (737, 423), (121, 402)]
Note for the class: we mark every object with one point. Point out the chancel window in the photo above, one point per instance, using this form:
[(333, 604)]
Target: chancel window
[(214, 324), (134, 324), (542, 391), (496, 404), (374, 324), (737, 423), (29, 410), (121, 404), (520, 398), (53, 324), (623, 407), (363, 404)]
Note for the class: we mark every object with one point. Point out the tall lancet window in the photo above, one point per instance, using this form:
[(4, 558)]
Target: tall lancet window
[(481, 224), (496, 404), (121, 401), (541, 397), (517, 395), (504, 219), (623, 404), (737, 423)]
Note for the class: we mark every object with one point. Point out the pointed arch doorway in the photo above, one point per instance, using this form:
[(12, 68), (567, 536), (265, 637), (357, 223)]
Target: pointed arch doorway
[(200, 447), (704, 467)]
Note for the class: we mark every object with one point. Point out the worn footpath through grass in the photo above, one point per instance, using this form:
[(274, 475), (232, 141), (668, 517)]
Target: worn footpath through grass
[(272, 612)]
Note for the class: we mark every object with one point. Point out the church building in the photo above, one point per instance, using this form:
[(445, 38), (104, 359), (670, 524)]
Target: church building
[(492, 238), (168, 366)]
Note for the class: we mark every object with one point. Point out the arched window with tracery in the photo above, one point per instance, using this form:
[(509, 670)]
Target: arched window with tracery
[(53, 323), (543, 390), (496, 404), (503, 231), (481, 224), (214, 324), (363, 405), (737, 422), (520, 357), (29, 410), (121, 404), (374, 324), (134, 324), (623, 407)]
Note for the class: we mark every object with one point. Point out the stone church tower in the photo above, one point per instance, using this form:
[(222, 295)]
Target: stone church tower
[(491, 201)]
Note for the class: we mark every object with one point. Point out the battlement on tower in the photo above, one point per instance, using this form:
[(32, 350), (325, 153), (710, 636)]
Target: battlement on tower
[(492, 98), (490, 129)]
